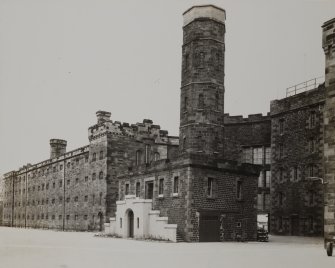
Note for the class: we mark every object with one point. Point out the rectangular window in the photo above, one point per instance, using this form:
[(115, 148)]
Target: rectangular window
[(138, 189), (281, 151), (247, 155), (210, 184), (260, 179), (149, 190), (86, 178), (175, 185), (161, 187), (147, 153), (312, 146), (267, 179), (239, 190), (258, 156), (267, 155), (311, 170), (120, 222), (127, 189), (280, 198), (60, 183), (86, 198)]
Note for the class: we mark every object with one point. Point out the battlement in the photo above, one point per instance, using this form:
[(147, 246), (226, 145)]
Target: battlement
[(238, 119), (204, 11), (146, 129)]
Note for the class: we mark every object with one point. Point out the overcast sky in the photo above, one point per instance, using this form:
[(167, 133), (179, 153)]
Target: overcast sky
[(63, 60)]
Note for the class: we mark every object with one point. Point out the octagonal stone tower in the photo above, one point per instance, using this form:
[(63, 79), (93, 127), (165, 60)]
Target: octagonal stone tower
[(328, 44), (202, 81), (57, 147)]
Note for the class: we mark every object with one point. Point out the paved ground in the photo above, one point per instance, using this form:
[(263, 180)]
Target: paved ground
[(27, 248)]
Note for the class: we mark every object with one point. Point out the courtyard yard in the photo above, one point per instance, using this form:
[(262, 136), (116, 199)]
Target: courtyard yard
[(45, 248)]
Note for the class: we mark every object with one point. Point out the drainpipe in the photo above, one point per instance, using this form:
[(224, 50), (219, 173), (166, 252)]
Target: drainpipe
[(64, 195)]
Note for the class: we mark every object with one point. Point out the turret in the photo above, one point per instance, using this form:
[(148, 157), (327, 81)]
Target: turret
[(57, 147)]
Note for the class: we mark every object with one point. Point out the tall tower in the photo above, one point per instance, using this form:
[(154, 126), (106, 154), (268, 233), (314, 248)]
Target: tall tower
[(202, 81), (328, 44)]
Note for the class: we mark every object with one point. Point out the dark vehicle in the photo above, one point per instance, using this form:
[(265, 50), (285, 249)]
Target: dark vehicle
[(262, 235)]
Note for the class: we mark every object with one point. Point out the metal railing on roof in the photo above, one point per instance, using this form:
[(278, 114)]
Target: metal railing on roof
[(304, 86)]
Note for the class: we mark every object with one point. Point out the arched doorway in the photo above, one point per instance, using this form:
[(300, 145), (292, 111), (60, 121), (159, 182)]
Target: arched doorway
[(130, 223), (101, 221)]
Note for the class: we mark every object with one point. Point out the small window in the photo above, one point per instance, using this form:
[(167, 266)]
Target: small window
[(101, 175), (52, 201), (54, 185), (312, 119), (60, 167), (161, 187), (127, 189), (312, 145), (281, 126), (267, 155), (67, 199), (280, 198), (156, 156), (60, 217), (311, 170), (267, 182), (86, 178), (281, 151), (210, 185), (86, 158), (185, 103), (147, 153), (238, 224), (260, 179), (76, 199), (93, 176), (85, 217), (175, 185), (120, 222), (94, 157), (67, 217), (54, 169), (86, 198), (239, 190), (138, 189), (201, 101), (138, 223), (53, 217), (60, 183), (77, 180), (138, 157), (101, 155), (75, 217), (77, 161), (68, 182), (100, 199), (68, 164)]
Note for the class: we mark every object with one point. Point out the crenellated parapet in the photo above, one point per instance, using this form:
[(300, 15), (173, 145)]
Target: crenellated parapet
[(138, 131), (239, 119)]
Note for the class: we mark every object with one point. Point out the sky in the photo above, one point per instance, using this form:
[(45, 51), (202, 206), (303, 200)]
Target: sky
[(61, 61)]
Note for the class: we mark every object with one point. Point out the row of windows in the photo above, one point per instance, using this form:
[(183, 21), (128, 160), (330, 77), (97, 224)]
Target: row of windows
[(311, 122), (46, 186), (60, 167), (256, 155), (46, 216), (295, 173), (284, 224), (211, 188), (139, 158), (310, 198), (53, 201)]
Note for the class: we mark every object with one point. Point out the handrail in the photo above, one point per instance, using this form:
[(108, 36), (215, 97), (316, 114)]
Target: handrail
[(304, 86)]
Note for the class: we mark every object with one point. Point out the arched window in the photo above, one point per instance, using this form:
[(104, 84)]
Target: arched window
[(138, 157), (201, 101), (101, 175)]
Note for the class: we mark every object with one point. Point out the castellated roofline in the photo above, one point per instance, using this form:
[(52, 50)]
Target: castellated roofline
[(236, 119), (58, 142), (204, 11)]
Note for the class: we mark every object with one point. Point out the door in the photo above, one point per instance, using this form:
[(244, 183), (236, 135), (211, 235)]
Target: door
[(131, 223), (209, 228)]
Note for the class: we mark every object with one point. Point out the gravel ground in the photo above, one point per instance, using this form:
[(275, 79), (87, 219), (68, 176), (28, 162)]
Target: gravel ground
[(28, 248)]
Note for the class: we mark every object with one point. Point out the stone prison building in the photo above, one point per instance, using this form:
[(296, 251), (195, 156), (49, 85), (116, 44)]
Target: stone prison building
[(210, 183)]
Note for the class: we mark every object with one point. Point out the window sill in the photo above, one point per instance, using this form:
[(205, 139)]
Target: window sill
[(175, 194)]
